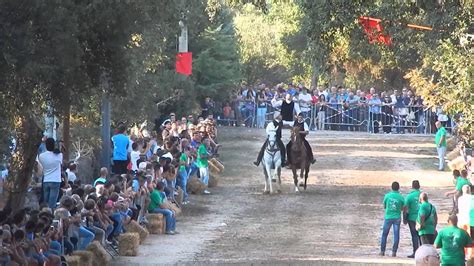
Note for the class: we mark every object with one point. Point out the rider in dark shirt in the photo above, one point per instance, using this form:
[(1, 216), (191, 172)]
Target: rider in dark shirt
[(304, 130)]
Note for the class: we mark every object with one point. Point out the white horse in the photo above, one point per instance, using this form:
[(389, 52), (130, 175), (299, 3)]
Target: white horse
[(271, 161)]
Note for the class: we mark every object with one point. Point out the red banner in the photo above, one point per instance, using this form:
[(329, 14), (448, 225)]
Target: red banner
[(184, 63), (374, 30)]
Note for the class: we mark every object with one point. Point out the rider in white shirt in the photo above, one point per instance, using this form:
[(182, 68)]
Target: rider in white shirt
[(276, 125)]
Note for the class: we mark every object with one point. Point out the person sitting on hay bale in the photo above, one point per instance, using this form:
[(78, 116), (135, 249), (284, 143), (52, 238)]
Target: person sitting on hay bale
[(158, 204)]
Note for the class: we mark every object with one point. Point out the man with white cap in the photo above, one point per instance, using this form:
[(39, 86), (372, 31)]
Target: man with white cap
[(426, 255)]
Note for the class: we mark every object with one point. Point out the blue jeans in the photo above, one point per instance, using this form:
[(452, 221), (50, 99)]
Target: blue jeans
[(441, 153), (193, 168), (118, 224), (396, 234), (261, 117), (183, 182), (51, 193), (170, 220), (85, 238)]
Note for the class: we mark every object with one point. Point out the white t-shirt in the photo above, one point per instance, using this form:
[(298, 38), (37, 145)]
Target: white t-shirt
[(71, 176), (134, 156), (303, 98), (51, 163)]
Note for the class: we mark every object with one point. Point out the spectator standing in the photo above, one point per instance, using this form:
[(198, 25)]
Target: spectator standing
[(352, 111), (261, 108), (411, 214), (427, 220), (51, 161), (457, 191), (374, 113), (440, 142), (393, 203), (135, 156), (464, 206), (71, 172), (387, 114), (202, 162), (452, 242), (363, 110), (321, 107), (120, 155), (304, 101)]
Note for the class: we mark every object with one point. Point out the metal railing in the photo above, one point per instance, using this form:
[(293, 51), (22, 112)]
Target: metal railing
[(335, 116)]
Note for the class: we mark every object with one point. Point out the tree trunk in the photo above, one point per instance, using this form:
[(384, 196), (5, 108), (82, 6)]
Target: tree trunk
[(67, 131), (28, 137), (315, 75)]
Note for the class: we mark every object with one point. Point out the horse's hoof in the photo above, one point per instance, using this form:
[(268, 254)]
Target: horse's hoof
[(274, 180), (279, 191), (266, 192)]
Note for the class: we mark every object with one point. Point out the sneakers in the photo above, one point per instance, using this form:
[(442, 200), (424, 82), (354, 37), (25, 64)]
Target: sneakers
[(412, 256), (170, 233), (394, 254), (206, 192), (382, 253)]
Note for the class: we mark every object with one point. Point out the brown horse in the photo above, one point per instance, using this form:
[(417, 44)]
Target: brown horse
[(299, 158)]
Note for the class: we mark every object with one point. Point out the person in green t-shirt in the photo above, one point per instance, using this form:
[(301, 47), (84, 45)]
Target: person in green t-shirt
[(427, 220), (202, 162), (183, 169), (457, 191), (452, 241), (410, 213), (157, 205), (440, 141), (393, 204)]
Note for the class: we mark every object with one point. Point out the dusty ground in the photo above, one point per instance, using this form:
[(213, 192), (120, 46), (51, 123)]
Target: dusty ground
[(337, 221)]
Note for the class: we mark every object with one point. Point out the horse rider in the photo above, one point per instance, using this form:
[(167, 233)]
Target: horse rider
[(288, 108), (304, 130), (277, 125)]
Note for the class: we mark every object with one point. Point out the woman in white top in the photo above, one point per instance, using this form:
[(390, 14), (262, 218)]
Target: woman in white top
[(51, 161)]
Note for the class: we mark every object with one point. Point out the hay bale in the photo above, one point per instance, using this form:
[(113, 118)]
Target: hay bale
[(177, 210), (457, 164), (128, 244), (155, 223), (195, 186), (73, 260), (101, 256), (134, 227), (451, 143), (213, 180), (218, 164), (86, 257), (213, 169), (453, 154)]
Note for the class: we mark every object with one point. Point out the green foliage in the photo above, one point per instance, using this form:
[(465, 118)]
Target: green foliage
[(263, 40), (217, 69)]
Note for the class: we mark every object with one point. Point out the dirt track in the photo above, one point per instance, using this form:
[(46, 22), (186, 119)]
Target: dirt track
[(337, 221)]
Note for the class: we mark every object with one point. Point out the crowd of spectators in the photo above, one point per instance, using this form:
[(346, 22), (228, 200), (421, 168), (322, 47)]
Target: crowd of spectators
[(336, 108), (149, 175)]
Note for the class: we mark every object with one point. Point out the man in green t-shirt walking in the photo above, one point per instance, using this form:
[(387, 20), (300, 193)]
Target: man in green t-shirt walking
[(440, 141), (203, 163), (452, 241), (427, 220), (410, 213), (393, 204)]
